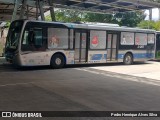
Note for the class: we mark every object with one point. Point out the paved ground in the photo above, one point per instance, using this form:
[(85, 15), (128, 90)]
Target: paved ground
[(77, 88), (150, 69)]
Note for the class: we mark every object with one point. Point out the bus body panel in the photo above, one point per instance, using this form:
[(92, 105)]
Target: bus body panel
[(97, 56), (42, 58), (138, 55), (113, 51)]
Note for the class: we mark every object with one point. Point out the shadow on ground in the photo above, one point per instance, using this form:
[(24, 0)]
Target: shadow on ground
[(13, 68)]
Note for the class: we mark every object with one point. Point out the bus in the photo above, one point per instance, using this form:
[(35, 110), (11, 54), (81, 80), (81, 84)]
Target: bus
[(35, 43), (157, 53)]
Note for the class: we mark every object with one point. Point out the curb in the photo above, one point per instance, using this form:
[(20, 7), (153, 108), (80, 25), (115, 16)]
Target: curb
[(2, 60)]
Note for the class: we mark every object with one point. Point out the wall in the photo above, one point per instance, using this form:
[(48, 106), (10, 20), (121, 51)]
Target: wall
[(3, 39)]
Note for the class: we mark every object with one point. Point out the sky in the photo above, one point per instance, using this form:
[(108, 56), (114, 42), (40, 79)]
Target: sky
[(155, 14)]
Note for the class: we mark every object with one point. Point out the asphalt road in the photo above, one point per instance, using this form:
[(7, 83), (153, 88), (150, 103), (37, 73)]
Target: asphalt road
[(74, 89)]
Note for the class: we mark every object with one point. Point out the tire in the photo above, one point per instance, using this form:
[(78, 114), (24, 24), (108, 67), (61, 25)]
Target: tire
[(128, 59), (57, 61)]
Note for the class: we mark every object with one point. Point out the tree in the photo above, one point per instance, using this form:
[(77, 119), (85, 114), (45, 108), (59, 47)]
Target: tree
[(7, 24), (48, 18), (130, 19), (67, 15), (95, 17), (150, 25)]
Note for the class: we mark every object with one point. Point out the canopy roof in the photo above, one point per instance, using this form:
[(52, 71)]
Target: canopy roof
[(106, 6), (101, 6)]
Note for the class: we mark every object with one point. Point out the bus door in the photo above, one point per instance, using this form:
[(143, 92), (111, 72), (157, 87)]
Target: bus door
[(112, 46), (157, 46), (80, 46)]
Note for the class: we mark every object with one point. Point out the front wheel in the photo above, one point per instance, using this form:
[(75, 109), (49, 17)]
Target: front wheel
[(128, 59), (57, 61)]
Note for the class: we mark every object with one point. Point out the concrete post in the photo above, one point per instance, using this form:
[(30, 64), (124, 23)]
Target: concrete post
[(52, 10), (14, 15), (159, 12), (27, 14), (150, 14), (36, 9), (22, 12), (41, 10)]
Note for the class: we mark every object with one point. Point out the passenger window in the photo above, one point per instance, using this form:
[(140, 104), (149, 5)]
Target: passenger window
[(97, 39), (38, 39), (58, 38)]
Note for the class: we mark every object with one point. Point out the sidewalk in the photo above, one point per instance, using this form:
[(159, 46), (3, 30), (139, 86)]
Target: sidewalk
[(150, 69)]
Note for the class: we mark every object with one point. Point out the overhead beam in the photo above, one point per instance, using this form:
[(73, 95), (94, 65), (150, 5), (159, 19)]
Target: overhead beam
[(29, 2), (143, 2), (113, 4)]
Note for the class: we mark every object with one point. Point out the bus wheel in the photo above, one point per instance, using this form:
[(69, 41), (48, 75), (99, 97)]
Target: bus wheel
[(57, 61), (128, 59)]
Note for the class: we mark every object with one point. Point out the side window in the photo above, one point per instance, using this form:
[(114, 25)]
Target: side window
[(140, 39), (25, 38), (127, 38), (151, 38), (33, 40), (25, 46), (97, 39), (57, 38), (38, 37)]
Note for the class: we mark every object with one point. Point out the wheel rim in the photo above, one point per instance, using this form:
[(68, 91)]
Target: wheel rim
[(128, 59), (58, 61)]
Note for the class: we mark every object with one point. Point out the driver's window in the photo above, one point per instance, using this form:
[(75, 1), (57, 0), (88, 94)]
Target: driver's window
[(25, 38), (32, 40)]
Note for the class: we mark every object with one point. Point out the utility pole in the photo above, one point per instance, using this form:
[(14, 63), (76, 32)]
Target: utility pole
[(150, 14)]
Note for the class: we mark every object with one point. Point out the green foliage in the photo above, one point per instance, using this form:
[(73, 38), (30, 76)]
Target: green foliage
[(67, 16), (150, 25), (7, 25), (95, 17), (48, 18), (146, 24), (130, 19)]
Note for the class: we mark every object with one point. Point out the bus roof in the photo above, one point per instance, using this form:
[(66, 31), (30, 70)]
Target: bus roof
[(97, 26)]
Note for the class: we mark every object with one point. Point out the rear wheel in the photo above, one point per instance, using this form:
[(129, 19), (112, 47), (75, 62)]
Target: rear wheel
[(57, 61), (128, 59)]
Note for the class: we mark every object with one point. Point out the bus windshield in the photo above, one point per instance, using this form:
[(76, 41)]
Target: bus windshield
[(14, 34)]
